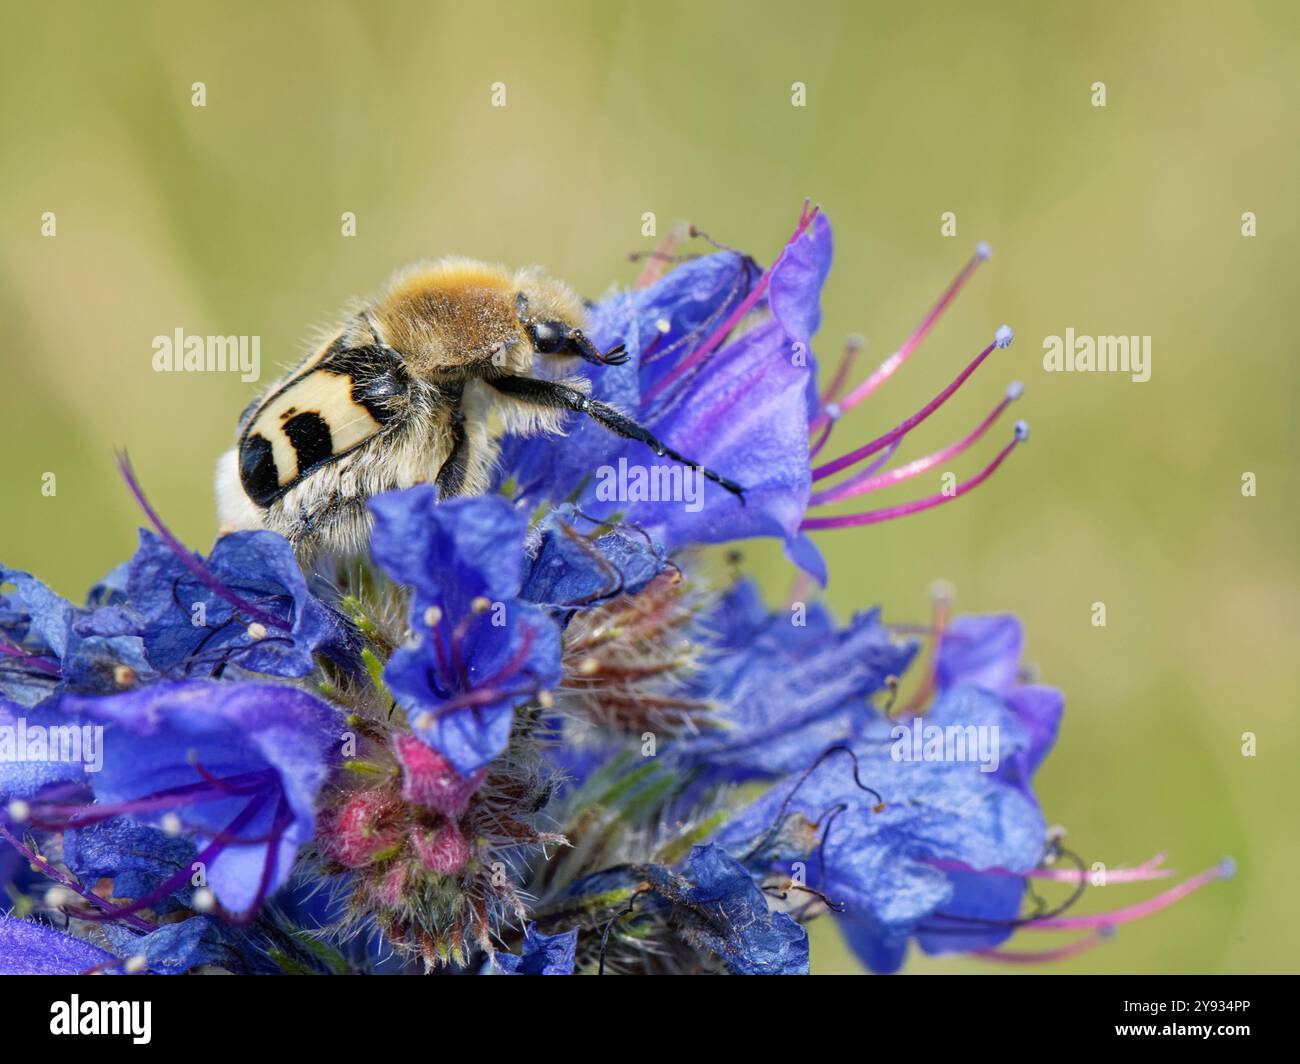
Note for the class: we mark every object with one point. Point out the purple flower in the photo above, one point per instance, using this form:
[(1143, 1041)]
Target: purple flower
[(47, 645), (575, 565), (251, 608), (25, 772), (480, 650), (793, 683), (234, 766), (136, 857), (875, 832), (735, 402)]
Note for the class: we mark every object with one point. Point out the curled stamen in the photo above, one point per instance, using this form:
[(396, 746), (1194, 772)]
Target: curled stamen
[(895, 362), (966, 925), (872, 517), (714, 340), (628, 910), (1001, 339), (777, 824), (864, 481)]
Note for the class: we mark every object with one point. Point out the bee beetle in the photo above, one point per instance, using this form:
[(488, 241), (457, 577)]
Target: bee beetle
[(406, 391)]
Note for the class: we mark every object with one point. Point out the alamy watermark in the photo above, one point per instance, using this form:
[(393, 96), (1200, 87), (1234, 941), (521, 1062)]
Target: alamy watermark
[(179, 353), (919, 741), (656, 483), (1098, 354), (69, 744)]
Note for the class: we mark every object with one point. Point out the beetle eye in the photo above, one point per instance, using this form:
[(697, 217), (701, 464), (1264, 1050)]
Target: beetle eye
[(549, 336)]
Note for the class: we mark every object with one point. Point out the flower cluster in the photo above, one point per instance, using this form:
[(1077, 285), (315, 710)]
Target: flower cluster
[(529, 734)]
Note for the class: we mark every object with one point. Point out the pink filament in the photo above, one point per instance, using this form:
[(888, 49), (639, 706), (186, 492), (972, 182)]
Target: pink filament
[(1147, 870), (872, 517), (881, 442), (895, 362), (851, 352), (862, 482), (1044, 956)]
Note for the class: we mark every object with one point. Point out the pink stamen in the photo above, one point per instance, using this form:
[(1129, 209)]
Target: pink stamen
[(1046, 956), (841, 491), (815, 449), (863, 481), (872, 517), (747, 304), (1147, 870), (1223, 870), (1002, 339), (895, 362)]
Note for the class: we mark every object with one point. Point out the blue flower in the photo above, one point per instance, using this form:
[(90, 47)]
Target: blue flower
[(737, 402), (480, 649), (253, 609), (540, 955), (21, 774), (136, 857), (176, 948), (793, 683), (238, 765), (896, 868)]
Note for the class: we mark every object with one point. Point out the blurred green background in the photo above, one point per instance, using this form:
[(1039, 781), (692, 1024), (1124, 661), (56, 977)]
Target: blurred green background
[(1124, 219)]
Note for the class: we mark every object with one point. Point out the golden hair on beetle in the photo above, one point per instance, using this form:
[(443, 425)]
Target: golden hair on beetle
[(415, 386)]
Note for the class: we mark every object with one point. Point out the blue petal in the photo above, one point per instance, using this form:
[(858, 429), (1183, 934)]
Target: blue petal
[(981, 651), (691, 299), (888, 867), (260, 568), (508, 665), (792, 689), (452, 551), (28, 948), (570, 570), (155, 738), (136, 857), (462, 678), (541, 954), (176, 948), (721, 909)]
